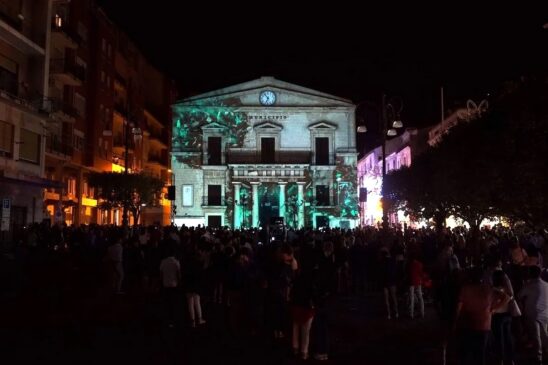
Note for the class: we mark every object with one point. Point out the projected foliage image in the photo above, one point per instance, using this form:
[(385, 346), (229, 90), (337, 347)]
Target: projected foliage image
[(190, 119), (345, 181)]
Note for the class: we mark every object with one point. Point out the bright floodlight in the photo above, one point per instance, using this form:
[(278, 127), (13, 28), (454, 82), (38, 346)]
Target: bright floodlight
[(391, 132), (397, 124), (361, 129)]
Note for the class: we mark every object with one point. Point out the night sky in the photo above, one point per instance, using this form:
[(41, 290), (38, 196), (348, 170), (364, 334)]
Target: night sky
[(349, 52)]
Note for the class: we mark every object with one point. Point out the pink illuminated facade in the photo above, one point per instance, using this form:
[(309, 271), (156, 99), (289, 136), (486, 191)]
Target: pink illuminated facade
[(400, 152)]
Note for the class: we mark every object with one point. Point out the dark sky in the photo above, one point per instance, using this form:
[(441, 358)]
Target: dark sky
[(350, 52)]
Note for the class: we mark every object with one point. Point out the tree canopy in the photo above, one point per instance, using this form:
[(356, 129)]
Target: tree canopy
[(129, 190), (493, 165)]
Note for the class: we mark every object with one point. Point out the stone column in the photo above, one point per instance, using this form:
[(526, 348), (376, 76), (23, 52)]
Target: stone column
[(237, 206), (281, 200), (300, 202), (255, 197)]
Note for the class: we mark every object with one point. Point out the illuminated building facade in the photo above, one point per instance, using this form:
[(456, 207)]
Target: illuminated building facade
[(261, 149), (400, 152), (24, 53), (98, 82)]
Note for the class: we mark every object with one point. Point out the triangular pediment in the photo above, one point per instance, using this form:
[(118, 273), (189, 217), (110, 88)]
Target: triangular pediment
[(247, 94), (269, 127), (213, 125), (322, 126)]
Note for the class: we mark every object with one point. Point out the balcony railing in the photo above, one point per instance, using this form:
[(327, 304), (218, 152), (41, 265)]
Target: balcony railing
[(65, 29), (279, 157), (213, 201), (119, 141), (63, 65), (58, 147), (157, 159)]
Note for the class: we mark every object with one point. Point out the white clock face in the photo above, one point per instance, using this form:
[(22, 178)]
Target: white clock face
[(267, 97)]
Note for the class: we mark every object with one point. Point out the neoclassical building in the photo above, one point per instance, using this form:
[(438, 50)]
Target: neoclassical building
[(261, 149)]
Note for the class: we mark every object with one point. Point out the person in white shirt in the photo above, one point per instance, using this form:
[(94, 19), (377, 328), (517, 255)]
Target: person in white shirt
[(115, 254), (170, 270), (534, 296)]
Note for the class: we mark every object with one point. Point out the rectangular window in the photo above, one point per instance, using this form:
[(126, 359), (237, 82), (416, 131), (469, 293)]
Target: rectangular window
[(29, 146), (82, 31), (322, 151), (80, 104), (104, 45), (322, 195), (268, 150), (214, 195), (188, 196), (214, 150), (6, 139), (8, 75), (71, 186)]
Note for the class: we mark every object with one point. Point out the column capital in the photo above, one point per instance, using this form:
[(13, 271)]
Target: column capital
[(301, 183), (236, 183), (257, 183), (282, 182)]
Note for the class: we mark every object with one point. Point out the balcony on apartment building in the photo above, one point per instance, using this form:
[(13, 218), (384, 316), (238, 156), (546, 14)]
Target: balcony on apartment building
[(157, 160), (67, 71), (57, 147), (19, 32), (60, 110), (20, 95), (62, 35), (158, 138), (119, 144)]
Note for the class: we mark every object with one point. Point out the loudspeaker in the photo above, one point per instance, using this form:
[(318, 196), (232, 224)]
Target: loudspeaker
[(363, 195), (171, 192), (276, 220)]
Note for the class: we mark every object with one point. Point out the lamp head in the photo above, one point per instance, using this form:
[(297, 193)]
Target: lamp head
[(361, 129), (391, 132), (397, 124)]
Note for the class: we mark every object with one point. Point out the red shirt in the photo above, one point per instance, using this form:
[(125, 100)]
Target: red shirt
[(477, 302)]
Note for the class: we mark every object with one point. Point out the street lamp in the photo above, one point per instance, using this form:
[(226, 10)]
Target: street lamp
[(390, 122), (137, 135)]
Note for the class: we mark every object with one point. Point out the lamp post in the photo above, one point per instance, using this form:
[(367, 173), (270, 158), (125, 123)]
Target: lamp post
[(137, 135), (390, 121)]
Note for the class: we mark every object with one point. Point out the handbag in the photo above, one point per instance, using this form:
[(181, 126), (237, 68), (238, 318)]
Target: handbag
[(513, 308)]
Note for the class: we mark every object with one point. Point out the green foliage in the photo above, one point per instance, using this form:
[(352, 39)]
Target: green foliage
[(129, 190)]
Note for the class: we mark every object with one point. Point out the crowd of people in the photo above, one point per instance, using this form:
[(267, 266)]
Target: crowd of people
[(486, 286)]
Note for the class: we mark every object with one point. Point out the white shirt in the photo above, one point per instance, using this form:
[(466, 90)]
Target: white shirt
[(170, 269), (535, 294)]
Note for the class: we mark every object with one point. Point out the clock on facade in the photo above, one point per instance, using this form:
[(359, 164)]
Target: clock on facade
[(267, 97)]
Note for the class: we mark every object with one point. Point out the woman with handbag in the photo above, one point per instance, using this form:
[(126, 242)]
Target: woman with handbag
[(501, 324)]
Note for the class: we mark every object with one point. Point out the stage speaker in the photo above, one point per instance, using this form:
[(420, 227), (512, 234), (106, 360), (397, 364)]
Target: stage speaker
[(276, 220), (363, 195), (171, 192)]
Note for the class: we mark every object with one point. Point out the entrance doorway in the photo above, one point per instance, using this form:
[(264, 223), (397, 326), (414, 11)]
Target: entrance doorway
[(268, 208), (322, 221), (214, 221)]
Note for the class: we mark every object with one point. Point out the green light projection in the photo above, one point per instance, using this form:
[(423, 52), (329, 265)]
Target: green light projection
[(189, 120), (345, 184)]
